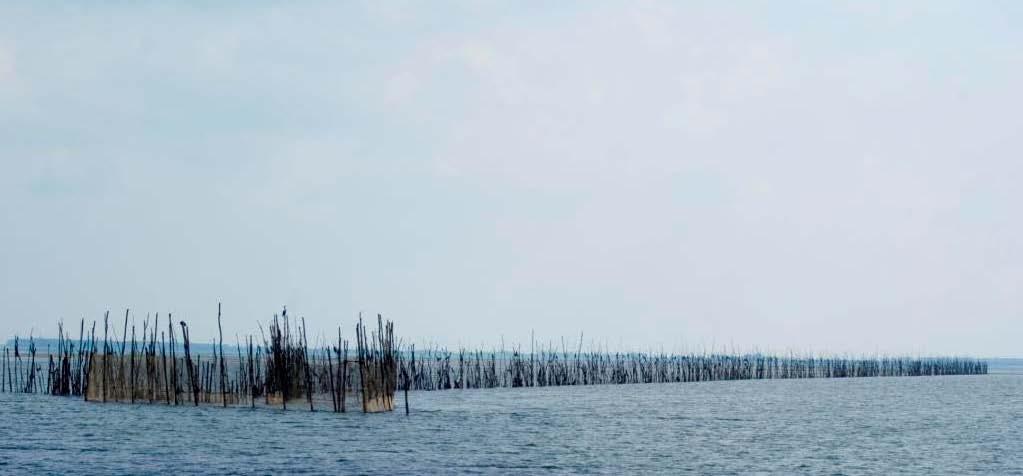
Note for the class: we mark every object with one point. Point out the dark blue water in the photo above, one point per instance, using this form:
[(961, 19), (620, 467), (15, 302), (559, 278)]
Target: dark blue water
[(913, 425)]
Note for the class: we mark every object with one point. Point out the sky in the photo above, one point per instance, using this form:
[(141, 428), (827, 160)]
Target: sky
[(830, 177)]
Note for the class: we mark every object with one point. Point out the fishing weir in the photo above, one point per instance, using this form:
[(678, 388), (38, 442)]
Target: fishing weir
[(440, 369), (159, 364)]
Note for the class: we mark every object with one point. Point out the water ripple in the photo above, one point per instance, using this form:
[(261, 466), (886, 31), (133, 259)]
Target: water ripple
[(924, 425)]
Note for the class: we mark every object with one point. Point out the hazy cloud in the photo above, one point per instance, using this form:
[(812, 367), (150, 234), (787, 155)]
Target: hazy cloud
[(837, 177)]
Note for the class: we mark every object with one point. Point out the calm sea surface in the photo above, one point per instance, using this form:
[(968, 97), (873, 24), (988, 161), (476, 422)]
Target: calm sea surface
[(915, 425)]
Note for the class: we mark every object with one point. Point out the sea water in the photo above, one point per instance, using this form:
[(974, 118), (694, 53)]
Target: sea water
[(897, 425)]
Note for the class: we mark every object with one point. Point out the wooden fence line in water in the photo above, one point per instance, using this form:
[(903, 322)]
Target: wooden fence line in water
[(283, 370), (145, 368), (442, 370)]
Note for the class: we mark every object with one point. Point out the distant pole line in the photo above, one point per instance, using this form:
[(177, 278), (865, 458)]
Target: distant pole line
[(283, 368)]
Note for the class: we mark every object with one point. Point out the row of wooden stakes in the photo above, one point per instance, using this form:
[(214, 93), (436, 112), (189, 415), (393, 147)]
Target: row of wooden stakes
[(158, 364)]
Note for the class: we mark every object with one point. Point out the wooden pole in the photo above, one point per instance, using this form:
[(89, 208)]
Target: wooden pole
[(360, 332), (305, 360), (252, 381), (174, 358), (132, 358), (192, 377), (105, 351), (343, 368), (407, 382), (120, 360), (330, 378), (223, 386), (240, 389), (163, 358)]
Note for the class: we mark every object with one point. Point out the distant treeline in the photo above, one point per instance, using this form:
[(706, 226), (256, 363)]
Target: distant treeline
[(44, 343)]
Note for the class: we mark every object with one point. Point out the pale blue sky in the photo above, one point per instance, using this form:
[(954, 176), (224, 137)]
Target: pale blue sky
[(823, 176)]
